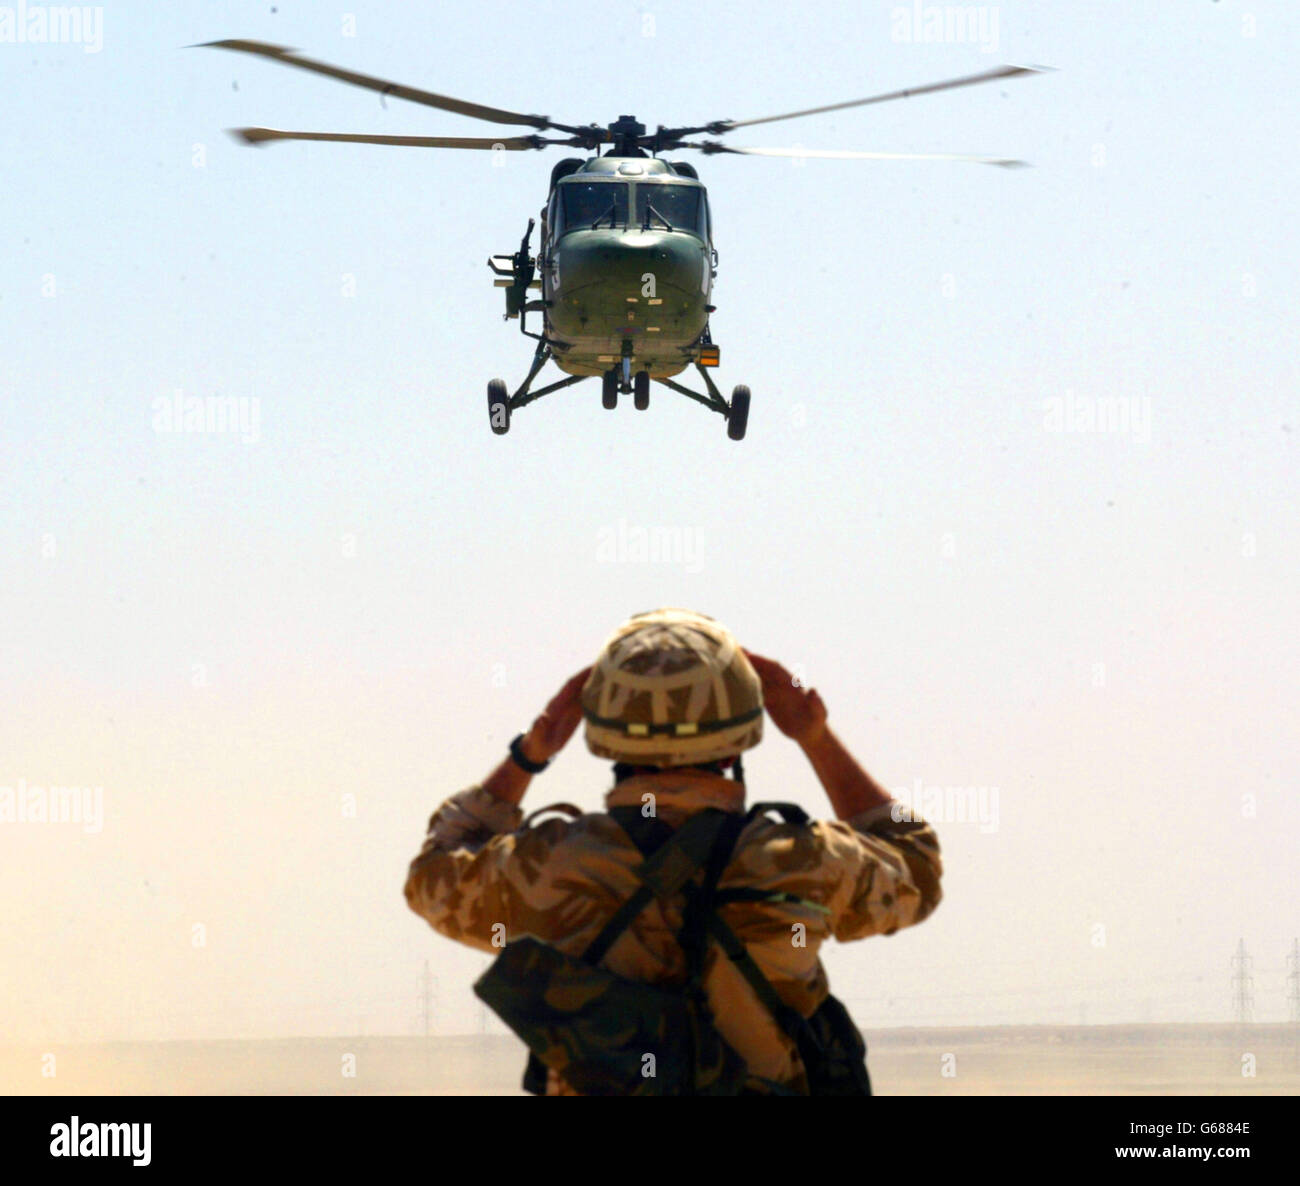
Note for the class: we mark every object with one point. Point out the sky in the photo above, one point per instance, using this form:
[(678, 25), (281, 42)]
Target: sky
[(1018, 494)]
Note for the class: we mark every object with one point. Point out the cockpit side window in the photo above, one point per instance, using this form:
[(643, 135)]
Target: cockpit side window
[(590, 203), (678, 206)]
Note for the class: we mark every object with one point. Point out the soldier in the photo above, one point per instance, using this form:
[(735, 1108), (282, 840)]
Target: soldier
[(673, 701)]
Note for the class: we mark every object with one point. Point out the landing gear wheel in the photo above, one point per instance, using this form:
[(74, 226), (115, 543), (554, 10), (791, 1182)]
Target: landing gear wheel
[(738, 416), (641, 390), (609, 390), (499, 407)]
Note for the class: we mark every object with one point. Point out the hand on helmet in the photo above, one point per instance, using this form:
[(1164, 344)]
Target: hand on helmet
[(552, 730), (797, 711)]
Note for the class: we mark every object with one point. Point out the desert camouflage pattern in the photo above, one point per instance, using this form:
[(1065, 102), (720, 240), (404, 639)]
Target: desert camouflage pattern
[(675, 667), (484, 880), (602, 1034)]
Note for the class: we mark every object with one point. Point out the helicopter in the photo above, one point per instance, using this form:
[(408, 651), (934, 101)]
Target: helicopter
[(626, 262)]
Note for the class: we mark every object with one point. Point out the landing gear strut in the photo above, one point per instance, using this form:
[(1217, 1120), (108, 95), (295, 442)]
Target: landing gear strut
[(501, 404), (620, 378), (736, 412)]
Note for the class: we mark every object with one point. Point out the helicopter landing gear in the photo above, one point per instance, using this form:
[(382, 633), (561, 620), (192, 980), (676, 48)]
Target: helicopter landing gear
[(501, 404), (641, 390), (609, 390), (499, 407), (738, 413)]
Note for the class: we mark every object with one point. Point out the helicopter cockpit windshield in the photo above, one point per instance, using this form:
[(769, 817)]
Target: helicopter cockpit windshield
[(664, 207), (590, 204)]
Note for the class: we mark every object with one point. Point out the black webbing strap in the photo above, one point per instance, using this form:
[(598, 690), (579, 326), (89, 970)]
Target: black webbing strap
[(790, 813), (788, 1018), (672, 857), (739, 955), (618, 923), (708, 838), (647, 832), (700, 900)]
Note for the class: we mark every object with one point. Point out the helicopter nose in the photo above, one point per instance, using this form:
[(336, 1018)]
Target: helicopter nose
[(633, 264)]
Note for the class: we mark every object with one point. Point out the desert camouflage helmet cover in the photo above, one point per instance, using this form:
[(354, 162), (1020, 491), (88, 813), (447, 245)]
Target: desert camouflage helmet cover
[(672, 688)]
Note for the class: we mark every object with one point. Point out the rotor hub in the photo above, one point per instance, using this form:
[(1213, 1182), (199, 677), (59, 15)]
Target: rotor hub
[(626, 134), (627, 125)]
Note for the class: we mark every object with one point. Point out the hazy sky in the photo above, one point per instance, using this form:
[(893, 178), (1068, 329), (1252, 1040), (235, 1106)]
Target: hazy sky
[(276, 651)]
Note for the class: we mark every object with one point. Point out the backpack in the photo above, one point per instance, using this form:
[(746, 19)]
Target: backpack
[(607, 1035)]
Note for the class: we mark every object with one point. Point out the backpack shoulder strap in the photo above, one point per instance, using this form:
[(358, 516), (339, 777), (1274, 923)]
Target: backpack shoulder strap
[(788, 1018), (790, 813), (671, 858), (707, 839), (647, 832), (564, 808)]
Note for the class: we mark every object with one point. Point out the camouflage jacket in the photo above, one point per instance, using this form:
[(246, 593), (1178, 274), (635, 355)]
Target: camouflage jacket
[(484, 878)]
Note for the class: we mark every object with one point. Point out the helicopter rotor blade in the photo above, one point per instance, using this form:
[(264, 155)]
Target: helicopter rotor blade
[(719, 127), (289, 57), (487, 143), (838, 154)]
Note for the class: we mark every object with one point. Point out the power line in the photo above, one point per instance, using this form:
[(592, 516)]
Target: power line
[(1243, 984), (1293, 996), (1293, 980), (425, 987)]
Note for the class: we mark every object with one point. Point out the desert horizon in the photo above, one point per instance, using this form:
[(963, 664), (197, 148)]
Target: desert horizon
[(1166, 1059)]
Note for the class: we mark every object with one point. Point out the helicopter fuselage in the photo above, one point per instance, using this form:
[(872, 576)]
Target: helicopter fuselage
[(627, 261), (626, 267)]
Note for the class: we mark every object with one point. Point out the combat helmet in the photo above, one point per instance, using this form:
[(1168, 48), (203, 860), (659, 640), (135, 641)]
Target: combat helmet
[(672, 688)]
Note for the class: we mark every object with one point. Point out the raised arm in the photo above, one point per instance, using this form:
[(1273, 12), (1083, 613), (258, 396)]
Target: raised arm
[(460, 882), (800, 714), (890, 861)]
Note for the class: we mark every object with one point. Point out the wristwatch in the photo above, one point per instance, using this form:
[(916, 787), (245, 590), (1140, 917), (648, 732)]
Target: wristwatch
[(522, 760)]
